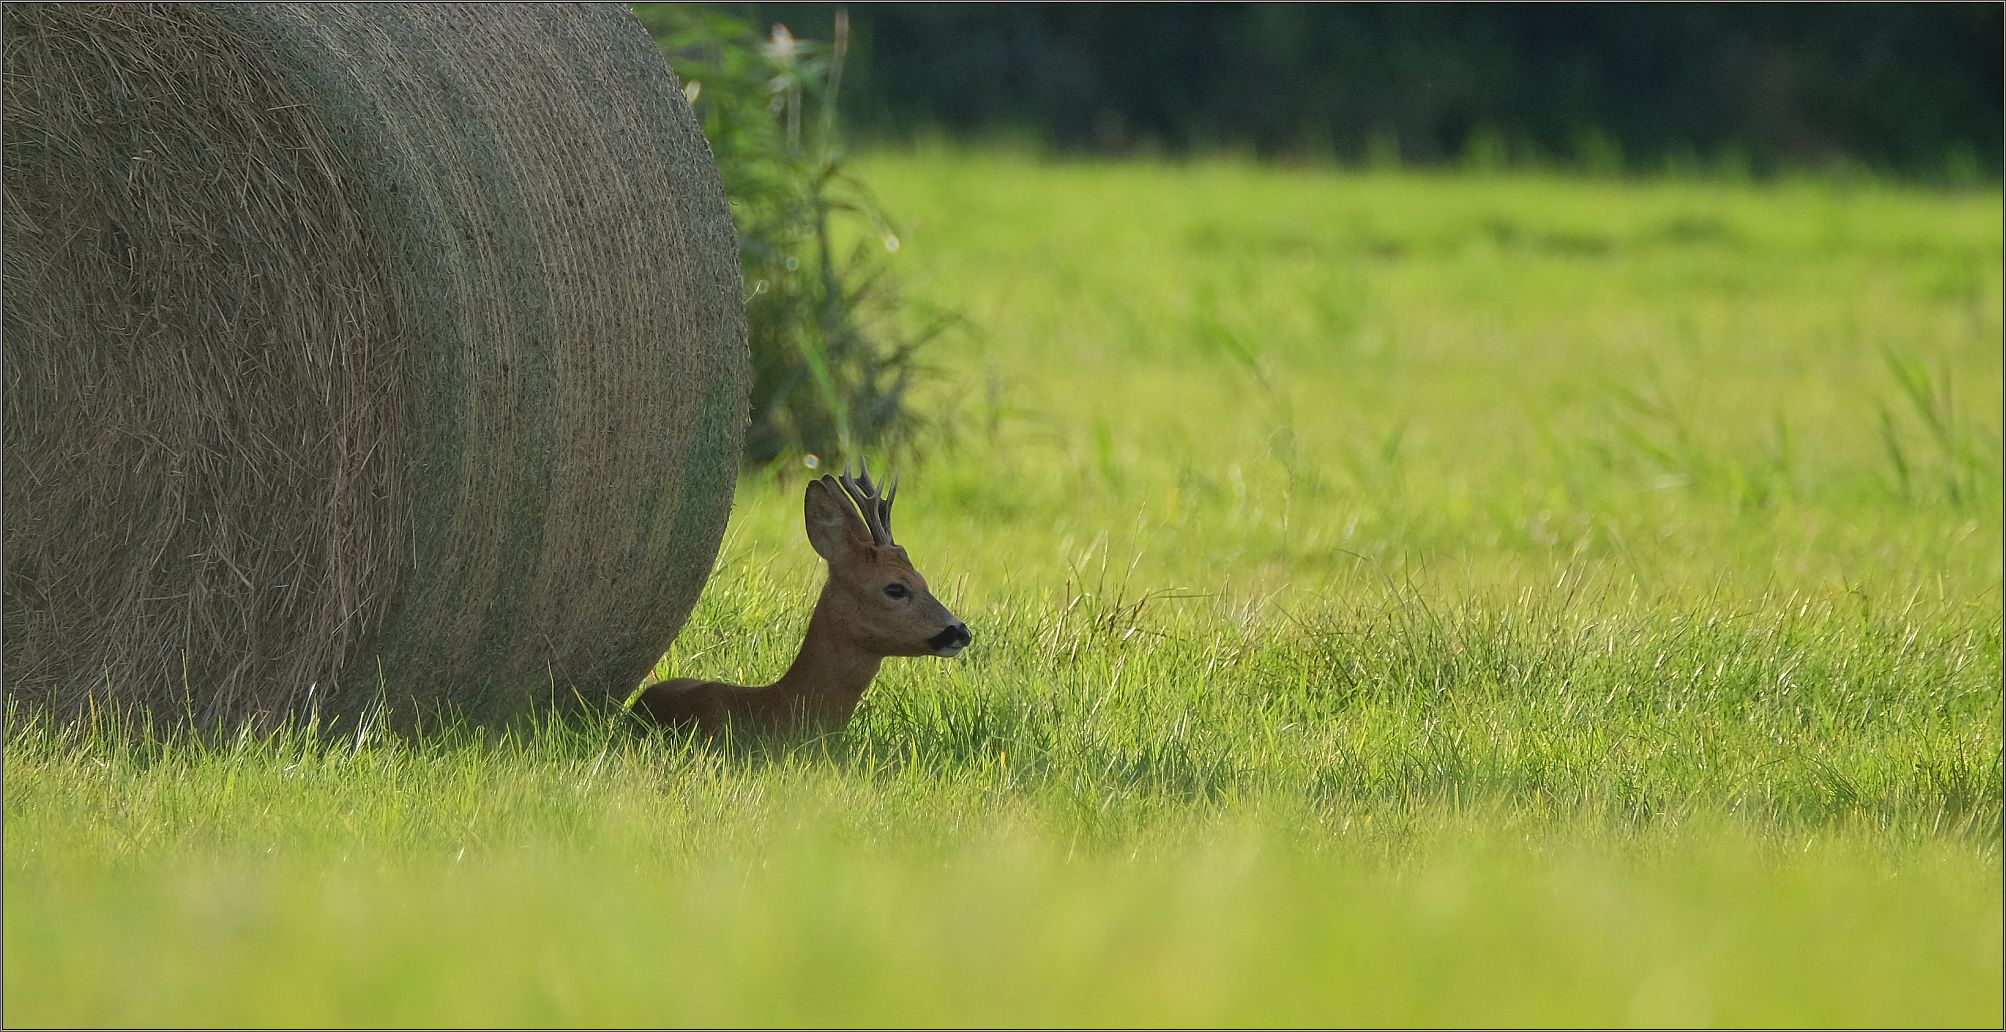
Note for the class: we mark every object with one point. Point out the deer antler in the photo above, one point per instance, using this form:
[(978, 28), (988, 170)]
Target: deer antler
[(877, 511)]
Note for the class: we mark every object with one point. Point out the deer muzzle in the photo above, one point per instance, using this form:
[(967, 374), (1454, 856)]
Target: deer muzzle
[(950, 641)]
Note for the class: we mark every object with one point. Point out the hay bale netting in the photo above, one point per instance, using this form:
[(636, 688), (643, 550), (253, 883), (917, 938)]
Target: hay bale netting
[(350, 345)]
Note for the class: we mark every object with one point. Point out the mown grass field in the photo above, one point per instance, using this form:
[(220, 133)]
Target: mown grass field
[(1434, 599)]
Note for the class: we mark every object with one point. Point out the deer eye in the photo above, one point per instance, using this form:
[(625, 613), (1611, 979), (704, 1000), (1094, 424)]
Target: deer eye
[(896, 590)]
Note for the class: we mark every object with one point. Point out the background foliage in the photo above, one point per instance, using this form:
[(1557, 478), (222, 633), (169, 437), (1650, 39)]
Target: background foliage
[(1907, 88), (1729, 90), (834, 350)]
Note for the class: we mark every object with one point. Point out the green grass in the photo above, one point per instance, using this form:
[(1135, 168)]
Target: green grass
[(1398, 599)]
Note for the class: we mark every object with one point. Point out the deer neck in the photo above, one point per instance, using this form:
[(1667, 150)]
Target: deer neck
[(829, 675)]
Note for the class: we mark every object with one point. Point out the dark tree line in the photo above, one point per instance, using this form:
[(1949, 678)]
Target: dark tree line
[(1911, 88)]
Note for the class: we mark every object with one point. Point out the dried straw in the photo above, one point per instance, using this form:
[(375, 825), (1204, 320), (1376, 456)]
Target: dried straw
[(355, 351)]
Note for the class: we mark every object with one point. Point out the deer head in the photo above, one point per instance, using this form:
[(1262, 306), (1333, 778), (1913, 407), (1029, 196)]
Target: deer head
[(875, 599)]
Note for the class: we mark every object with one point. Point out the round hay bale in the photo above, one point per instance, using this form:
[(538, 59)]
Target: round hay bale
[(355, 351)]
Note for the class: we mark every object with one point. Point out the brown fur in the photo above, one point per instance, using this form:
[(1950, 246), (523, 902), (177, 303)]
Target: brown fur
[(854, 628)]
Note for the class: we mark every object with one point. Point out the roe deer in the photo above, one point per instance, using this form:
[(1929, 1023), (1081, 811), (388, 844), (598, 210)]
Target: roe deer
[(873, 605)]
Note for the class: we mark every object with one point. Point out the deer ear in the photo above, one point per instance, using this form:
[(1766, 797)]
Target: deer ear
[(833, 524)]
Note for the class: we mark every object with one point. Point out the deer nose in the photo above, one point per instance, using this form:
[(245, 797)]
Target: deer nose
[(955, 636)]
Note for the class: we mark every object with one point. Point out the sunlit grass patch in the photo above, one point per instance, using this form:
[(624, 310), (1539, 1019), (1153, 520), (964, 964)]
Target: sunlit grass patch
[(1397, 600)]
